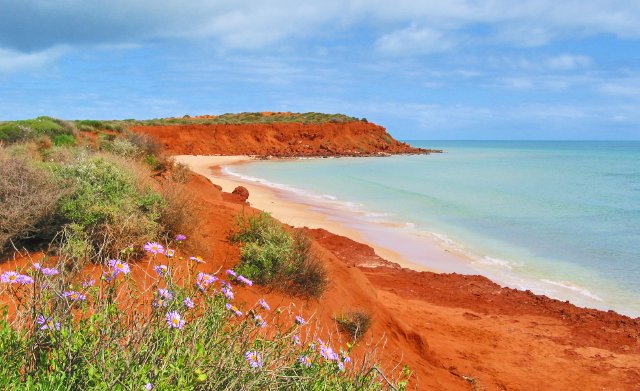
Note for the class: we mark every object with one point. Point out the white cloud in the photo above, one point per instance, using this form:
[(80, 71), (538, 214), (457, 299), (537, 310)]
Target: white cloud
[(14, 61), (413, 40), (29, 25), (568, 62)]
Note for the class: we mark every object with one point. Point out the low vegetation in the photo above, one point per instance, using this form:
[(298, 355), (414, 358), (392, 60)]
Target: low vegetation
[(354, 323), (86, 313), (181, 330), (274, 257)]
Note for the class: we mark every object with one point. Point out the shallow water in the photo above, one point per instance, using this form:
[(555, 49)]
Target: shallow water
[(559, 218)]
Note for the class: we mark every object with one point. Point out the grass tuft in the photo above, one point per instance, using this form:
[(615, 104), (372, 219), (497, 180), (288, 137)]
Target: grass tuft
[(354, 323)]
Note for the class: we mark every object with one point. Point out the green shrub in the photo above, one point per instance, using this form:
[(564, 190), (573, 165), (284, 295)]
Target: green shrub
[(272, 256), (354, 323), (64, 140), (15, 131), (110, 202)]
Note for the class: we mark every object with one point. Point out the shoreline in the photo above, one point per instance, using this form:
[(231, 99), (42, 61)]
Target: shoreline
[(296, 210)]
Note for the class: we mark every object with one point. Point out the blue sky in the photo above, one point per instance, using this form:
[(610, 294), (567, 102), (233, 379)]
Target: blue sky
[(456, 69)]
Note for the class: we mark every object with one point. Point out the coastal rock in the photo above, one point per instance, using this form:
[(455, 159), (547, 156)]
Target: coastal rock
[(242, 192)]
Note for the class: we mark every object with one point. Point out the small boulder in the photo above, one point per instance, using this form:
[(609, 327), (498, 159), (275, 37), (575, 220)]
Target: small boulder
[(242, 192)]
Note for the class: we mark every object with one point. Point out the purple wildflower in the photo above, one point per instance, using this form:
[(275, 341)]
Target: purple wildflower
[(254, 359), (170, 253), (154, 248), (327, 353), (203, 280), (227, 292), (245, 280), (164, 293), (37, 266), (197, 259), (74, 296), (47, 323), (148, 386), (10, 277), (49, 271), (233, 309), (344, 357), (305, 361), (174, 320), (300, 320), (259, 321), (188, 303), (262, 303), (340, 366), (161, 270), (231, 273), (88, 283), (296, 339), (119, 267), (25, 280), (180, 237)]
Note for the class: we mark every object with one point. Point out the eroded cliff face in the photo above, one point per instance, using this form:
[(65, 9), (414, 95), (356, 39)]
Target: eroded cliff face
[(278, 139)]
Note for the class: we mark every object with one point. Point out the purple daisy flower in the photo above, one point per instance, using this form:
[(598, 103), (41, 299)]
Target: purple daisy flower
[(119, 267), (197, 259), (262, 303), (174, 320), (49, 271), (148, 386), (180, 237), (10, 278), (254, 359), (165, 294), (259, 321), (170, 253), (231, 273), (154, 248), (161, 270), (188, 303), (88, 283), (340, 366), (25, 280), (245, 280), (300, 320), (47, 323), (233, 309), (296, 339), (74, 296), (37, 266), (305, 361), (227, 292)]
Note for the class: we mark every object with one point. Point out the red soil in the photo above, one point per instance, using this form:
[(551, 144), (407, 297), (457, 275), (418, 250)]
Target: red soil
[(455, 332), (278, 139)]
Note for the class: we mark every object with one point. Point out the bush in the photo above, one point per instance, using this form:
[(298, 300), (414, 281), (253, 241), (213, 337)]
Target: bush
[(28, 199), (272, 256), (354, 323), (111, 203), (64, 140), (15, 131), (71, 334)]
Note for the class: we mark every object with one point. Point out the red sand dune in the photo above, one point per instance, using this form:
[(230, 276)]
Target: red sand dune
[(278, 139)]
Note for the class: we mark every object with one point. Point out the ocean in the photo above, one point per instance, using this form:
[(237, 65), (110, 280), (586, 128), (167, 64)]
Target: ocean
[(560, 218)]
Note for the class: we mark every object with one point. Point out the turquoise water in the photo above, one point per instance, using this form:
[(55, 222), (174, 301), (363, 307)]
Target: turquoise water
[(559, 218)]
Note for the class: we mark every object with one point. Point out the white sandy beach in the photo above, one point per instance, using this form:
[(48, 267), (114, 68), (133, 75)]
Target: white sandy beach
[(284, 208)]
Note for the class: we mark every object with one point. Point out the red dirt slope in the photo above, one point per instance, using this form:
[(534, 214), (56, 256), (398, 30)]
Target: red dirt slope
[(278, 139)]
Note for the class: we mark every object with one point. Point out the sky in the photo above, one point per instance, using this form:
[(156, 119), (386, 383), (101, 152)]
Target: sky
[(430, 69)]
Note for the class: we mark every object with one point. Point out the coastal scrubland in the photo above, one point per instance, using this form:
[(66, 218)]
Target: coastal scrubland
[(156, 286), (103, 287)]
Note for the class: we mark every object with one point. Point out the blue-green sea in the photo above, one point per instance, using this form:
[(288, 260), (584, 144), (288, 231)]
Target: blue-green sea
[(561, 218)]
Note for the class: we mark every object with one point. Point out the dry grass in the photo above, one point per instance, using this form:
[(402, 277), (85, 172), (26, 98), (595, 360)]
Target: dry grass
[(28, 199), (354, 323)]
